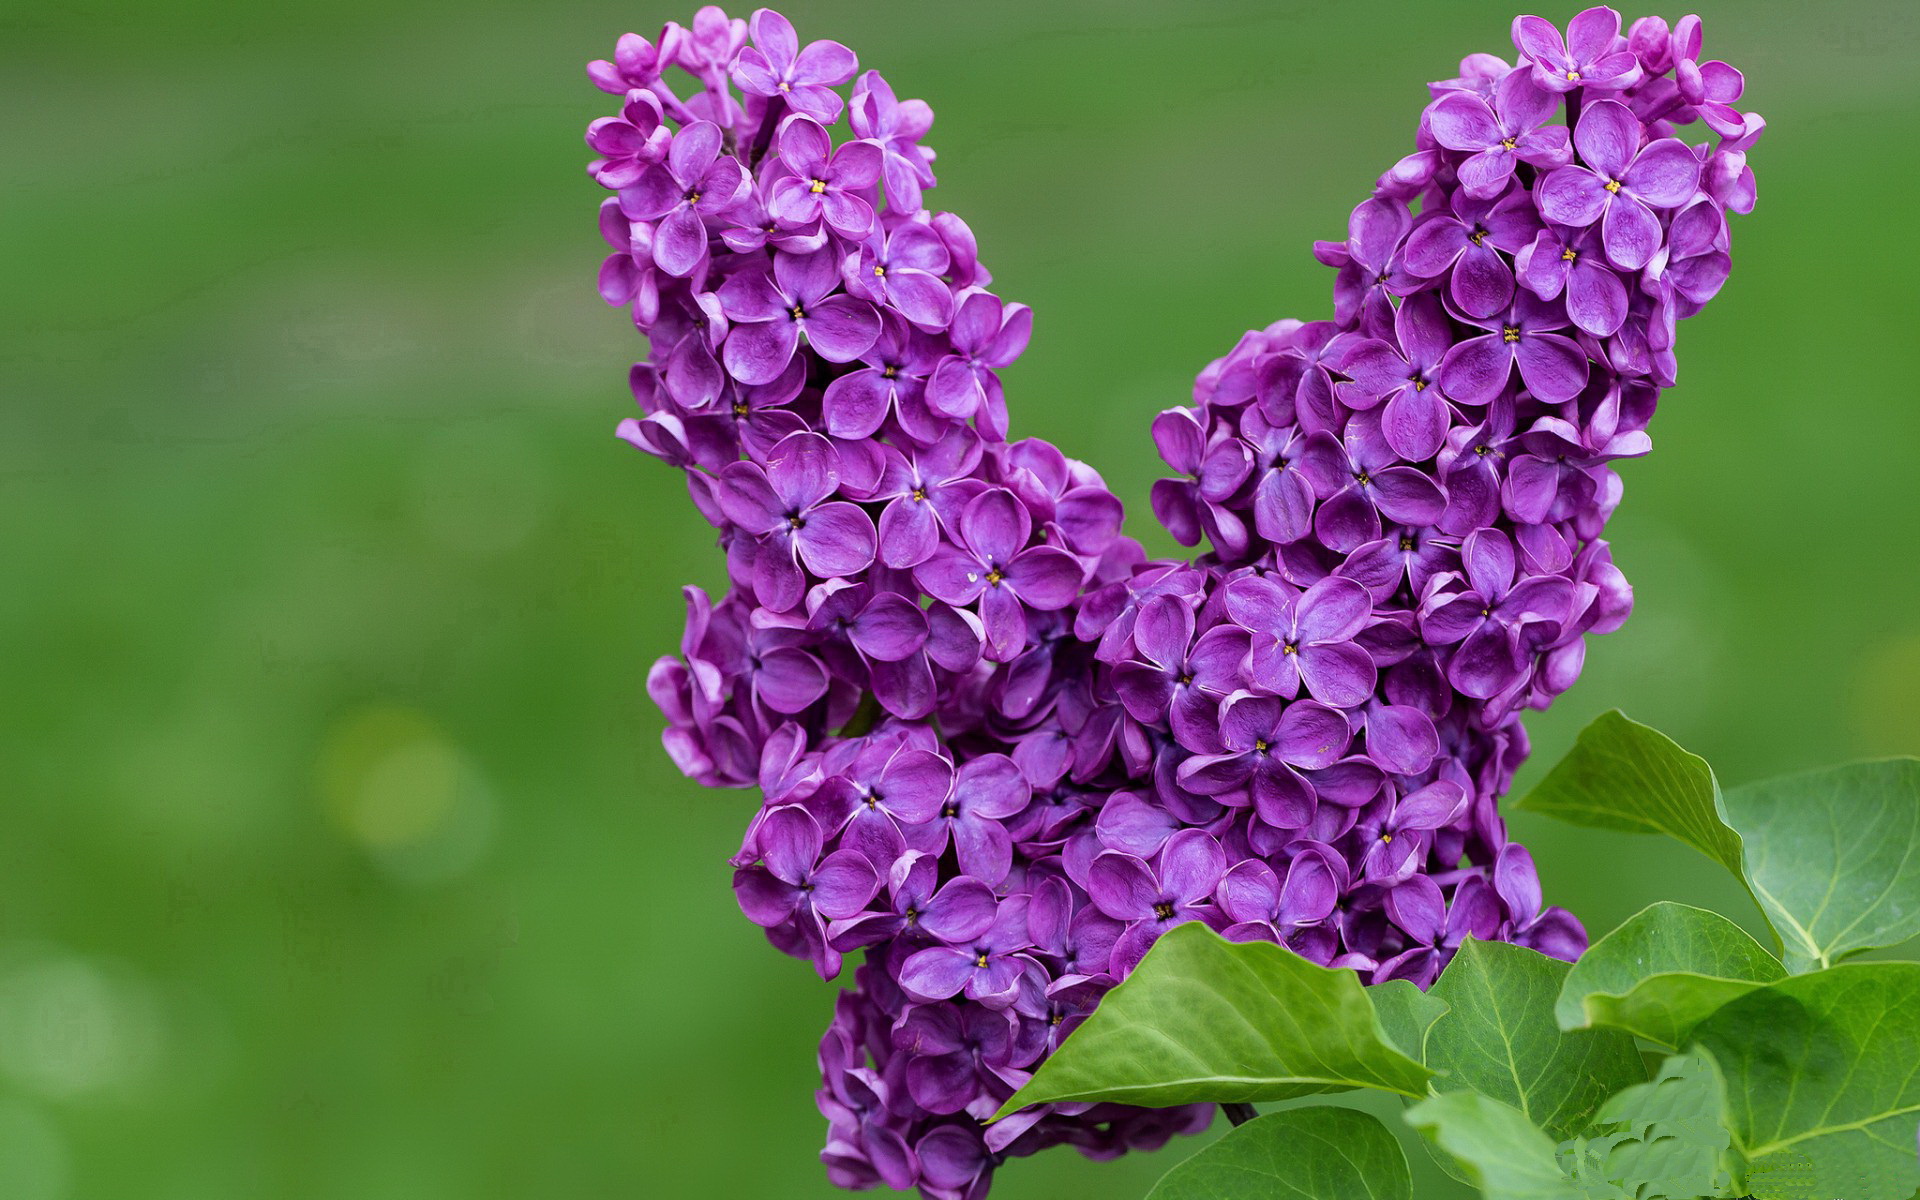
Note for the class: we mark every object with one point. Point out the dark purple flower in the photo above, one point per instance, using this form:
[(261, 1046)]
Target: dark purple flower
[(1434, 928), (1555, 931), (987, 789), (770, 310), (1268, 742), (1496, 620), (1174, 678), (1195, 507), (1262, 907), (791, 879), (1620, 183), (1552, 366), (785, 504), (1375, 484), (1591, 55), (775, 67), (960, 909), (986, 966), (1511, 129), (1394, 836), (826, 184), (1293, 470), (1370, 271), (1153, 901)]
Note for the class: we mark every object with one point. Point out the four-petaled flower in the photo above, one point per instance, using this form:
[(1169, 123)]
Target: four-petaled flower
[(1621, 184)]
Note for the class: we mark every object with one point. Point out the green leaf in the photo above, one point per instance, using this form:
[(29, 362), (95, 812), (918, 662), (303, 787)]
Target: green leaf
[(1407, 1014), (1499, 1037), (1499, 1151), (1321, 1153), (1630, 777), (1662, 972), (1834, 857), (1202, 1018), (1824, 1070), (1667, 1137)]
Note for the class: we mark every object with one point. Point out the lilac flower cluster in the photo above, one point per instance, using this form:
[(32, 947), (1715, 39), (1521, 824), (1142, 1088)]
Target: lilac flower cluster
[(1000, 751)]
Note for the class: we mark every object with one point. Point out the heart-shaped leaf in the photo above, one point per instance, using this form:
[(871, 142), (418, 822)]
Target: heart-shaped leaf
[(1823, 1070), (1320, 1153), (1662, 972), (1407, 1014), (1630, 777), (1205, 1019), (1497, 1149), (1834, 857), (1499, 1038)]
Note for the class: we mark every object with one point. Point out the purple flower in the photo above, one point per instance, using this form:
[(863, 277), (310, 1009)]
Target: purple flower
[(1195, 507), (785, 504), (693, 184), (960, 909), (1434, 928), (922, 495), (1571, 261), (1591, 56), (771, 310), (1153, 901), (1306, 637), (1396, 835), (776, 68), (1414, 420), (897, 127), (1710, 87), (1267, 743), (1621, 183), (902, 268), (991, 562), (1264, 908), (987, 335), (985, 966), (1374, 486), (987, 789), (792, 880), (1172, 677), (629, 143), (858, 403), (1552, 366), (1369, 269), (1468, 243), (1554, 931), (826, 184), (1294, 470), (1496, 620), (1511, 129)]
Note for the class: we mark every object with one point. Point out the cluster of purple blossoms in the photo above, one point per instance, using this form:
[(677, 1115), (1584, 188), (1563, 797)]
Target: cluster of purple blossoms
[(1000, 751)]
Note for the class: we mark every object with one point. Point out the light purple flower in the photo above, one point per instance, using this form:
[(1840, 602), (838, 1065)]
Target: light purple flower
[(826, 184), (1306, 637), (986, 966), (897, 127), (987, 335), (1497, 619), (1620, 183), (775, 67), (1267, 744), (1466, 247), (1495, 136), (694, 184), (1151, 900), (1590, 56), (901, 267)]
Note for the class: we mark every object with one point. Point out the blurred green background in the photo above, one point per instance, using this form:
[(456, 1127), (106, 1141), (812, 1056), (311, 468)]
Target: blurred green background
[(339, 856)]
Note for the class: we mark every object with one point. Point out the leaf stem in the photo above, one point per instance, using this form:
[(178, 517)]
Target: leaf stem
[(1240, 1114)]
